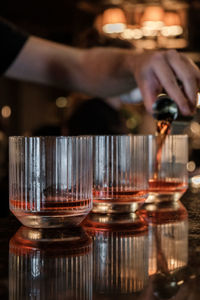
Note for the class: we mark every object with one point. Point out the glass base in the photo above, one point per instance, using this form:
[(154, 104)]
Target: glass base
[(50, 221), (110, 208), (163, 197)]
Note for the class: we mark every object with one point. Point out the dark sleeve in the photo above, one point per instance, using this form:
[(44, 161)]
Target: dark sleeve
[(11, 42)]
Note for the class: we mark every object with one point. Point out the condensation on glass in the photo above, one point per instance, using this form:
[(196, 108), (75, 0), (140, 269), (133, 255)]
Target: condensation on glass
[(120, 181), (168, 176), (50, 264), (50, 180)]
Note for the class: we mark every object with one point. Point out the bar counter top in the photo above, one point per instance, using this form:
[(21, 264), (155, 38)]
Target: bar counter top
[(116, 257)]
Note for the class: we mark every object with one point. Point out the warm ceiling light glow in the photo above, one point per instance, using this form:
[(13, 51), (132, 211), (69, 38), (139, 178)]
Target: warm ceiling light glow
[(6, 111), (171, 19), (114, 28), (153, 25), (61, 102), (172, 25), (149, 32), (152, 20), (114, 20), (174, 30), (130, 34), (153, 13)]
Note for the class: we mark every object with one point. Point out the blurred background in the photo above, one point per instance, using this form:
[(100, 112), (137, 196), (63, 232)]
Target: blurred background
[(144, 24), (30, 109)]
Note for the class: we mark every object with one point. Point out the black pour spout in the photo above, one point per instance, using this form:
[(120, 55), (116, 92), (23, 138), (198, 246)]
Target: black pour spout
[(165, 109)]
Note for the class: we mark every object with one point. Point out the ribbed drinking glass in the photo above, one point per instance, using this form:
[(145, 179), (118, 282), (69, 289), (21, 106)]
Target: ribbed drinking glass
[(168, 176), (50, 180), (120, 181)]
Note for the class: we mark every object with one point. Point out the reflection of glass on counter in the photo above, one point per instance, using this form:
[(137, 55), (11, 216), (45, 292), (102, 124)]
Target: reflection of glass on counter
[(168, 237), (50, 264), (120, 253)]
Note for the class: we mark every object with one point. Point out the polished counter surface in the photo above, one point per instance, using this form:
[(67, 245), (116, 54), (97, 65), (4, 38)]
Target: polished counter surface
[(111, 258)]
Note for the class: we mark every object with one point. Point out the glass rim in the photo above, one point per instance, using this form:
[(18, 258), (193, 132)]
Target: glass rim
[(53, 137), (171, 135), (116, 135), (133, 135), (91, 136)]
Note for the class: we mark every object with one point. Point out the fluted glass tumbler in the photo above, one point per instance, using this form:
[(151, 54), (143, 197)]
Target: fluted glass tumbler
[(50, 180), (168, 176), (120, 180)]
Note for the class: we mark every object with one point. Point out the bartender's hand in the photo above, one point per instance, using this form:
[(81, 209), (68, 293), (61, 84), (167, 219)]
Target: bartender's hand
[(155, 71), (117, 70)]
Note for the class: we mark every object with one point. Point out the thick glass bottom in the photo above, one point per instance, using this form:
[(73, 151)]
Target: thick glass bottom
[(113, 207), (156, 197), (165, 190), (35, 220)]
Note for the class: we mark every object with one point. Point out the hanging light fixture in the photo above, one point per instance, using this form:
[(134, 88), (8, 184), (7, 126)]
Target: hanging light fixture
[(172, 24), (153, 13), (146, 24), (114, 20), (171, 18), (152, 19)]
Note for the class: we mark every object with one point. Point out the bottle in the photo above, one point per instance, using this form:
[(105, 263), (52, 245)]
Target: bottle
[(165, 108), (165, 111)]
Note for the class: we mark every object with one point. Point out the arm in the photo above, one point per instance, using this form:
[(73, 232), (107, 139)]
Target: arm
[(96, 71), (108, 72)]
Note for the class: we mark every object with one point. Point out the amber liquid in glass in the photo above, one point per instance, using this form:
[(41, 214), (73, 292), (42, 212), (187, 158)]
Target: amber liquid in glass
[(166, 186), (157, 185), (114, 194), (51, 205), (112, 200), (52, 212)]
